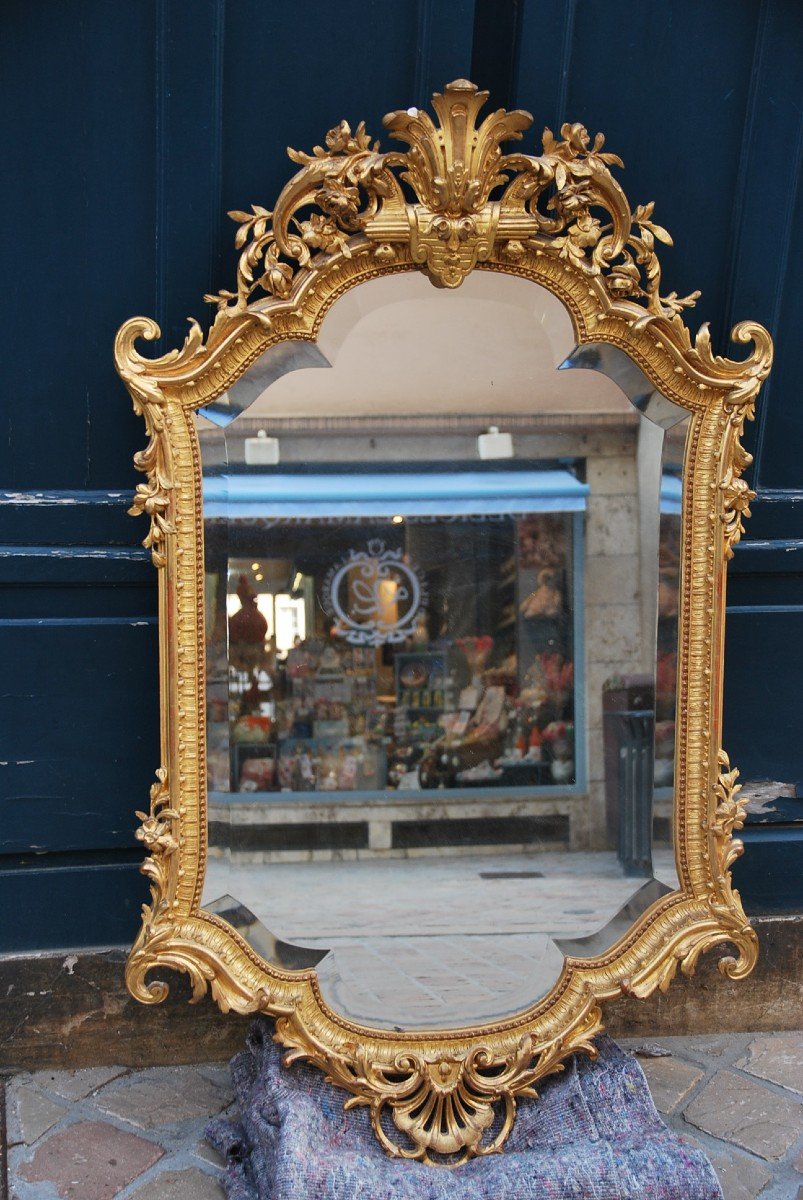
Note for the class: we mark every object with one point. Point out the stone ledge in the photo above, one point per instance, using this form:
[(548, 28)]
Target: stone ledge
[(707, 1002), (72, 1010)]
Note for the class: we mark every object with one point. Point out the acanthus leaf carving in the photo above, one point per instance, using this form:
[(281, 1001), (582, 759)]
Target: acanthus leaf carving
[(736, 493)]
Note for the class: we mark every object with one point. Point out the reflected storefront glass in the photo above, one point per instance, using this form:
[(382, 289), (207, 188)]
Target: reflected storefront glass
[(391, 654)]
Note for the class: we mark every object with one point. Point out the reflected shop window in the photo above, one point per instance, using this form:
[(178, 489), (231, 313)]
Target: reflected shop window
[(394, 651)]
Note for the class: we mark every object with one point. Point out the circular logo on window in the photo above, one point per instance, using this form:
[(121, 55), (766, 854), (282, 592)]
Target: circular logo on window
[(374, 595)]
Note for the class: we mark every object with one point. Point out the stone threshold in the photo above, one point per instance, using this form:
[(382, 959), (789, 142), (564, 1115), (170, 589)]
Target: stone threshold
[(66, 1010)]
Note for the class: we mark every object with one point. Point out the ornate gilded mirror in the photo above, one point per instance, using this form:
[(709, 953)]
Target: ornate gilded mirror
[(441, 509)]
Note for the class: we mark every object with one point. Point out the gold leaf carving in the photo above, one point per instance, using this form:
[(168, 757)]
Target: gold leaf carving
[(151, 498), (451, 203), (444, 1104), (564, 201)]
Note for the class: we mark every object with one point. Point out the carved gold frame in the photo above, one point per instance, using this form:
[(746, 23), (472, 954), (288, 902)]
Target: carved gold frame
[(560, 219)]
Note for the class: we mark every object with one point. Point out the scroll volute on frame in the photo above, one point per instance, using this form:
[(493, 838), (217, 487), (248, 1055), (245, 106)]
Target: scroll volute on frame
[(450, 204)]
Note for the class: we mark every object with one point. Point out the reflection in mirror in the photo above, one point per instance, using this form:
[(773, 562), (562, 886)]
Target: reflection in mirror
[(441, 686)]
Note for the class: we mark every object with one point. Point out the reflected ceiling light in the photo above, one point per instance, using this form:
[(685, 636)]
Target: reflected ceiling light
[(494, 444), (261, 451), (254, 566), (259, 576)]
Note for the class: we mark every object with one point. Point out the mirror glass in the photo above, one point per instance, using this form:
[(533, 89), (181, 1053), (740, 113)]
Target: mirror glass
[(442, 552)]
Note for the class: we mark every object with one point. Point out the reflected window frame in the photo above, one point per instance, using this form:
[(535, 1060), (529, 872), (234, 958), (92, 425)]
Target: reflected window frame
[(218, 469)]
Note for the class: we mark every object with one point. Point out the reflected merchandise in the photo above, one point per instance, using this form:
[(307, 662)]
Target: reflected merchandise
[(416, 663)]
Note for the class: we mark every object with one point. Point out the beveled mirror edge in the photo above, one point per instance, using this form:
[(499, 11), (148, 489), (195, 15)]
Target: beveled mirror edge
[(608, 279)]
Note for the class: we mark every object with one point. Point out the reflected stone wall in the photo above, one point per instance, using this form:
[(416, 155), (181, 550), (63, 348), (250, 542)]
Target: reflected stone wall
[(612, 600)]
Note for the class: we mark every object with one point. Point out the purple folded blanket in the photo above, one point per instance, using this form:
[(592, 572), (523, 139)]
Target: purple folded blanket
[(594, 1134)]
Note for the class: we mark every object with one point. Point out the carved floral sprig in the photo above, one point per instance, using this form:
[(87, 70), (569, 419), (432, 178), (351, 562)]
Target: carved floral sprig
[(579, 171), (737, 494), (724, 901), (156, 834), (152, 499), (261, 265), (624, 279), (272, 258), (728, 818)]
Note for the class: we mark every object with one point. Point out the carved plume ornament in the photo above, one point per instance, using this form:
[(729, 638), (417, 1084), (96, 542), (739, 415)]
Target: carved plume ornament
[(452, 202)]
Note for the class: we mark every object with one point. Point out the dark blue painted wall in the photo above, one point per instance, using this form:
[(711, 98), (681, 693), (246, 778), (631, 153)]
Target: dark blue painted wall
[(129, 130)]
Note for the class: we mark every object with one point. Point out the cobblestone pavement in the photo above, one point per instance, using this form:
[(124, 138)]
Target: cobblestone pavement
[(740, 1097), (469, 894), (108, 1132)]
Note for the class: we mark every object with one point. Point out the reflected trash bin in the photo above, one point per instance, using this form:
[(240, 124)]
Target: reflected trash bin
[(629, 739)]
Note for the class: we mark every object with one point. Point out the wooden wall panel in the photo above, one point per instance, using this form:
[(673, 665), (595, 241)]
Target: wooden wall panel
[(648, 77), (69, 900), (169, 112), (705, 105), (130, 130), (83, 751), (78, 221)]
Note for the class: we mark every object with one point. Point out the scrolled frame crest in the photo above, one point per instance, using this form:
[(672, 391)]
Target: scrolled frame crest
[(560, 219)]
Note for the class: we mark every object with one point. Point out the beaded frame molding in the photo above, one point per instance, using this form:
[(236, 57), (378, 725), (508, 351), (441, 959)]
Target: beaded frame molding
[(452, 202)]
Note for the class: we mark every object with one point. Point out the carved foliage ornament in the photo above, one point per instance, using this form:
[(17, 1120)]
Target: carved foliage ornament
[(451, 203), (541, 202)]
